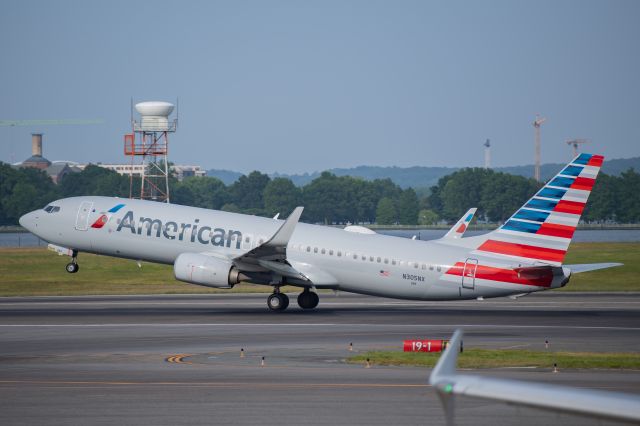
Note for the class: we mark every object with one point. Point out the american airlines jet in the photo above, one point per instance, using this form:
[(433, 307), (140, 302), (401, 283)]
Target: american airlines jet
[(220, 249)]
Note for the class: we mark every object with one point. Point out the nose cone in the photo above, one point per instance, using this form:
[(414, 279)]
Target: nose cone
[(28, 221)]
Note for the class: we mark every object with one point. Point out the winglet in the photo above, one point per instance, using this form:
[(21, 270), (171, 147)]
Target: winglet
[(446, 366), (283, 235), (458, 230), (442, 377)]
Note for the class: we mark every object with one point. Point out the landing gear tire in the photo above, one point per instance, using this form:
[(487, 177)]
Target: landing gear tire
[(278, 301), (72, 267), (308, 299)]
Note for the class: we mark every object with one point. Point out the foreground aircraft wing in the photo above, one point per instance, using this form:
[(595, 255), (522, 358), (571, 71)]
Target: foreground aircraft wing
[(457, 231), (272, 254), (586, 267), (604, 405)]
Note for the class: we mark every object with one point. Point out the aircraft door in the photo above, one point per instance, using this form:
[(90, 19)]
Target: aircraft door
[(469, 273), (82, 220)]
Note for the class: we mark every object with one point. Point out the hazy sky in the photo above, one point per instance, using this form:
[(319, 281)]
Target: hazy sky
[(294, 86)]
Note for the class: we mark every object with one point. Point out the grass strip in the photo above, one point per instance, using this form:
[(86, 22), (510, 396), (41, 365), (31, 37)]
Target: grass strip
[(500, 358), (39, 272)]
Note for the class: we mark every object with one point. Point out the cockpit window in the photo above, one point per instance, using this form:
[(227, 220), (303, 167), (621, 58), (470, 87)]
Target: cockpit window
[(52, 209)]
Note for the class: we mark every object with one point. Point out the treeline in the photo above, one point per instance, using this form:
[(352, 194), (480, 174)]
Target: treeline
[(328, 199), (497, 196)]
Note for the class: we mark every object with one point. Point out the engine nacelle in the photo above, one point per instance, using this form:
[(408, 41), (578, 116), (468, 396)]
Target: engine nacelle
[(206, 270)]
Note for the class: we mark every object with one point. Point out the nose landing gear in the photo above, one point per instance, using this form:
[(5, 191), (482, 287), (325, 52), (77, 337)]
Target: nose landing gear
[(73, 267)]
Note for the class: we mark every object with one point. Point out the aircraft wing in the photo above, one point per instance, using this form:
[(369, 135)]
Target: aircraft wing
[(586, 267), (457, 231), (604, 405), (272, 254)]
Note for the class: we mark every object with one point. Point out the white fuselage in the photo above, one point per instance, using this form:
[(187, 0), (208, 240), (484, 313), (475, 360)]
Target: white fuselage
[(331, 258)]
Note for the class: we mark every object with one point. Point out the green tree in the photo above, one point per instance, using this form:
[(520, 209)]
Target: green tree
[(603, 201), (502, 194), (427, 217), (386, 212), (95, 180), (247, 191), (281, 196), (23, 190), (324, 199), (628, 201), (200, 191), (408, 207)]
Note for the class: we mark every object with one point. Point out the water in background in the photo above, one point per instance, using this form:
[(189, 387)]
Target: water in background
[(581, 235), (26, 239)]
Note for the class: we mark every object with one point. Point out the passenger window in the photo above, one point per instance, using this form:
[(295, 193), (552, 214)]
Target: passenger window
[(322, 251), (439, 268), (339, 253), (424, 266), (393, 261), (415, 265), (386, 260), (315, 249), (330, 252), (355, 256), (379, 260), (364, 257), (431, 267), (370, 258), (308, 249)]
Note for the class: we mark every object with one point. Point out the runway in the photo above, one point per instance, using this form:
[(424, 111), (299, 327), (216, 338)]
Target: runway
[(167, 360)]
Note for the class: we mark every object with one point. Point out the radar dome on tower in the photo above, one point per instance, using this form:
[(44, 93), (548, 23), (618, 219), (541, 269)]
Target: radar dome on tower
[(155, 116)]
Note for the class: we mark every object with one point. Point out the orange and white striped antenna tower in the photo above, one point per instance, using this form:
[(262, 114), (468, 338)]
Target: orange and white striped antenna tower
[(536, 124), (148, 147), (574, 143)]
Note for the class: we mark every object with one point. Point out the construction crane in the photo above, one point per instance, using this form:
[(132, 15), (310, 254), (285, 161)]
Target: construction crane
[(536, 124), (487, 154), (574, 143), (27, 123)]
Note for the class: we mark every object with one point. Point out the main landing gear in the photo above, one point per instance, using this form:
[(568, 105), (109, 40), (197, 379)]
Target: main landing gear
[(280, 301), (73, 267), (308, 299)]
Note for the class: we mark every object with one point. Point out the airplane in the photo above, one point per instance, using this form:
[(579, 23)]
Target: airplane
[(220, 249)]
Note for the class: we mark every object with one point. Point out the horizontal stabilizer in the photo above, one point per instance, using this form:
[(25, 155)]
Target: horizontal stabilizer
[(586, 267)]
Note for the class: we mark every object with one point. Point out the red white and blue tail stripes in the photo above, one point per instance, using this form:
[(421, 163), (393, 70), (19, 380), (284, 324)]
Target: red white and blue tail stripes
[(541, 230)]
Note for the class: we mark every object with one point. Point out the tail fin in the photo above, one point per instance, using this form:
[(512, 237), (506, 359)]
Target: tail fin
[(541, 230), (458, 230)]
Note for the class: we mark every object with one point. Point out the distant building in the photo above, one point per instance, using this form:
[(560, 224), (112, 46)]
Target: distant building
[(56, 171), (178, 170), (59, 169)]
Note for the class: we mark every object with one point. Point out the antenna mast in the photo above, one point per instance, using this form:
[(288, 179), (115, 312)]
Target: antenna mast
[(536, 124)]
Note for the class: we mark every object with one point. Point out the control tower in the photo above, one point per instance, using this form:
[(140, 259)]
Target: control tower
[(148, 147)]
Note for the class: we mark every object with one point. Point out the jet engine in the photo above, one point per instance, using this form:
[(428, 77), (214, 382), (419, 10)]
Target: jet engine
[(207, 271)]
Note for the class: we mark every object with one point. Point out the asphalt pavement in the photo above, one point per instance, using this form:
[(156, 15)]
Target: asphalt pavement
[(226, 359)]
